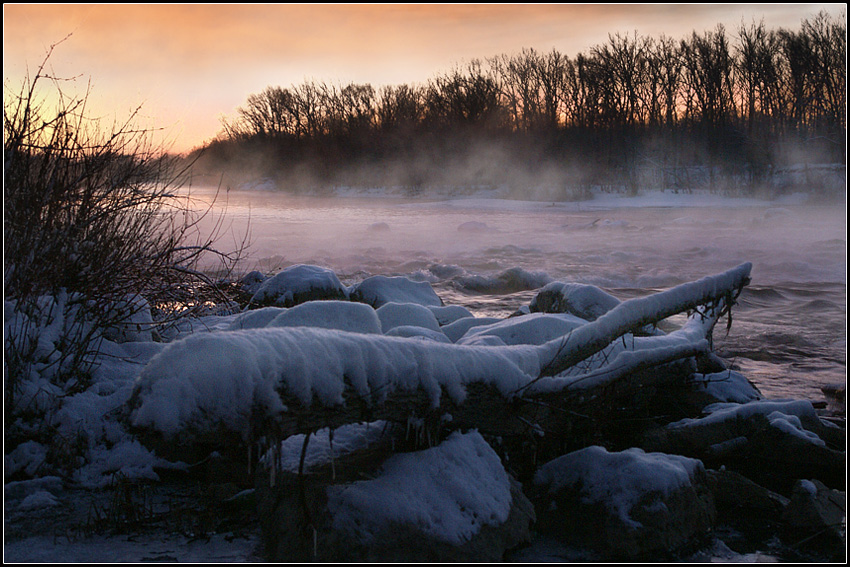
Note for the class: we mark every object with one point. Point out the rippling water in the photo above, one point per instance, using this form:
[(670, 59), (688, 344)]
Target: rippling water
[(789, 330)]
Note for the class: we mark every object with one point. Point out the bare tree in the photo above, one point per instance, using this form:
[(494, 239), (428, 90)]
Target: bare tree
[(94, 232), (758, 70)]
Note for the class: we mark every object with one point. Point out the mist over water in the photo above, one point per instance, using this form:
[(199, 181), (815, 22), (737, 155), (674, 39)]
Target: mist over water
[(789, 329)]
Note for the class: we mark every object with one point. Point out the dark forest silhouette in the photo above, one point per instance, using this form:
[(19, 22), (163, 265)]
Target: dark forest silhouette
[(718, 110)]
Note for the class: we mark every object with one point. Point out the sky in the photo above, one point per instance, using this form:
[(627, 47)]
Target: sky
[(189, 65)]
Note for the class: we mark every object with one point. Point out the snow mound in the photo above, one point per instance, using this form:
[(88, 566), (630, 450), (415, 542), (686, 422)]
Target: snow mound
[(252, 280)]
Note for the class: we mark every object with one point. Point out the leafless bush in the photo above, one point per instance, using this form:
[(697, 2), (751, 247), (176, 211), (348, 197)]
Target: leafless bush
[(95, 234)]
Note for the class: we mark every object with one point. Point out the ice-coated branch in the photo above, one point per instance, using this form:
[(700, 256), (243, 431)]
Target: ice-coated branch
[(633, 314)]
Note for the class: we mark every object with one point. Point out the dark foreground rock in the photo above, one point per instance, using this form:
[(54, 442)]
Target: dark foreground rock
[(816, 518), (773, 443), (627, 505)]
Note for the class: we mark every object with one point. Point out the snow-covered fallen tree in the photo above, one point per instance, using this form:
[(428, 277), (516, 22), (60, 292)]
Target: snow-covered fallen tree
[(282, 381)]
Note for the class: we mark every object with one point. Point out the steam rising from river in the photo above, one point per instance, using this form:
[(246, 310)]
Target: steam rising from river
[(789, 332)]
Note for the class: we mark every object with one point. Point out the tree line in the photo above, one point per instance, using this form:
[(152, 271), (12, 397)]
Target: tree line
[(745, 102)]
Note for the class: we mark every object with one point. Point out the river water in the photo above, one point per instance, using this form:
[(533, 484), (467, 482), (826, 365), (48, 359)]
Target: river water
[(789, 329)]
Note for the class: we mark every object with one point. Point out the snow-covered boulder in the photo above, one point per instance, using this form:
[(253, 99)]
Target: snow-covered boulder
[(379, 290), (255, 318), (454, 331), (448, 314), (532, 329), (406, 314), (585, 301), (414, 332), (507, 281), (772, 442), (449, 503), (299, 284), (342, 315), (624, 505)]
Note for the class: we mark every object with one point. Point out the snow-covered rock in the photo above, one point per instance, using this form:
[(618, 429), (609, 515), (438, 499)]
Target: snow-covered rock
[(406, 314), (448, 314), (252, 280), (772, 442), (298, 284), (222, 381), (416, 332), (341, 315), (379, 290), (728, 386), (460, 327), (624, 505), (255, 318), (452, 502), (585, 301), (507, 281), (534, 329)]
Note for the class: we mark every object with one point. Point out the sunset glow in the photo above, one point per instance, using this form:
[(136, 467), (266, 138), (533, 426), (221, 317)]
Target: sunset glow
[(189, 65)]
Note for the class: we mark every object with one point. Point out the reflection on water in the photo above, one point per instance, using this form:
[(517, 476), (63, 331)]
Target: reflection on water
[(789, 330)]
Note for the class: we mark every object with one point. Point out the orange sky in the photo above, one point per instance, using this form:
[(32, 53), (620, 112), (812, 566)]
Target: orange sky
[(190, 64)]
